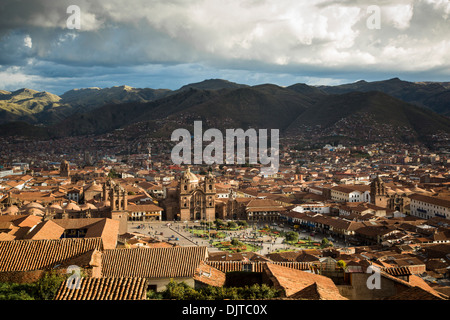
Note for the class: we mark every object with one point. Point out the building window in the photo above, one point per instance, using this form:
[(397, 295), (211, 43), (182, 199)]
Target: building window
[(247, 267)]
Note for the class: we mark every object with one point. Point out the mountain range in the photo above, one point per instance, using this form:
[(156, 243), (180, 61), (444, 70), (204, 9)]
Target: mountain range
[(367, 110)]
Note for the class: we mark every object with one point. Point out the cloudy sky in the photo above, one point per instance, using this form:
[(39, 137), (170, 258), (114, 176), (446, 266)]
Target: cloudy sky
[(169, 43)]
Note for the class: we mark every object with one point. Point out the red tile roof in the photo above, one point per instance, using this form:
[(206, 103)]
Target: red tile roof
[(209, 275), (105, 289), (256, 266), (398, 271), (104, 228), (28, 255), (45, 230), (416, 293), (153, 262), (292, 282)]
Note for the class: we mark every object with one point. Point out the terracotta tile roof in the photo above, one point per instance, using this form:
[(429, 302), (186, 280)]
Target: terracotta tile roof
[(284, 256), (350, 188), (230, 266), (28, 255), (105, 289), (45, 230), (153, 262), (419, 282), (292, 282), (21, 220), (398, 271), (295, 255), (439, 201), (318, 291), (414, 281), (145, 208), (77, 223), (6, 236), (7, 225), (107, 229), (104, 228), (89, 259), (209, 275), (415, 293), (264, 205), (372, 231)]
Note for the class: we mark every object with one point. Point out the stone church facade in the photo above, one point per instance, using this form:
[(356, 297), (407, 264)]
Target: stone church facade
[(193, 199), (385, 197), (197, 199)]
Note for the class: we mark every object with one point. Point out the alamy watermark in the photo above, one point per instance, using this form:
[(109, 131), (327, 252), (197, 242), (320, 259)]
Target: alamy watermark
[(74, 20), (74, 280), (373, 281), (258, 151), (373, 21)]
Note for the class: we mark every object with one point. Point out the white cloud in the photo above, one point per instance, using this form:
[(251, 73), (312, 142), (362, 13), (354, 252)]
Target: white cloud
[(14, 78), (399, 15), (268, 37)]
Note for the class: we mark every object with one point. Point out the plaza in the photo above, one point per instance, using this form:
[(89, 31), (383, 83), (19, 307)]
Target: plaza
[(177, 233)]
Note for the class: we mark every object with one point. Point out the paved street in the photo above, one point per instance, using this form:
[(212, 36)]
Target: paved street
[(174, 232)]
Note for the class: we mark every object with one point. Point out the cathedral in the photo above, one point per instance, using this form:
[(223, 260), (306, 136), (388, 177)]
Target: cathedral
[(192, 199), (387, 197), (197, 200)]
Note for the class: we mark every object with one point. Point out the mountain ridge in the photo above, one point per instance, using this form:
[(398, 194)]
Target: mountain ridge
[(224, 104)]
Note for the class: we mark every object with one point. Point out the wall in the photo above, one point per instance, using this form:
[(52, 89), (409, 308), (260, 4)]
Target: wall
[(242, 278), (358, 290), (33, 276), (21, 276), (161, 283)]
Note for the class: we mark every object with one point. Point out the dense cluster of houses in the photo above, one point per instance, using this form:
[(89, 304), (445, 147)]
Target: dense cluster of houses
[(55, 219)]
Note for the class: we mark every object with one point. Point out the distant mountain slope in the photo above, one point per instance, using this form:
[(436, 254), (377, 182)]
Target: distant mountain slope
[(113, 116), (91, 98), (433, 95), (360, 110), (362, 113), (213, 84), (265, 106), (28, 105)]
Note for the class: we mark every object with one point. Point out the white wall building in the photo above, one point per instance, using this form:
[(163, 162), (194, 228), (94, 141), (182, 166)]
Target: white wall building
[(318, 207), (350, 193), (427, 207)]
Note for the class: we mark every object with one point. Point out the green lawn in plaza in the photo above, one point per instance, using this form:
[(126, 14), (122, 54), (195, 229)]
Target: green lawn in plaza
[(235, 246)]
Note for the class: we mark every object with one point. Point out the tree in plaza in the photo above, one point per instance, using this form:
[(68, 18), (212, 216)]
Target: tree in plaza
[(235, 242), (291, 236), (326, 243), (232, 224), (243, 223), (219, 222)]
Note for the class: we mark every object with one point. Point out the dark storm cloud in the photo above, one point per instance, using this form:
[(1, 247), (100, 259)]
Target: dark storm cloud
[(290, 40)]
